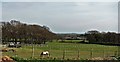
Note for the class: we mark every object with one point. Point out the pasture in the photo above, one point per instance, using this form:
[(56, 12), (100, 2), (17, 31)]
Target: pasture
[(67, 50)]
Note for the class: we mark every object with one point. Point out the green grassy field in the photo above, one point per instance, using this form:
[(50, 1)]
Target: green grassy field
[(72, 50)]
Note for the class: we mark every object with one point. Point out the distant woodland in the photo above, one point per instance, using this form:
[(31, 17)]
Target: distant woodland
[(107, 38), (32, 33)]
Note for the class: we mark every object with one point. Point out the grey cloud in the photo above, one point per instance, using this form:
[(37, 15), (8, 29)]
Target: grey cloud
[(65, 17)]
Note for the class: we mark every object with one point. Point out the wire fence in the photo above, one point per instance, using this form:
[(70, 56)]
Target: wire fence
[(59, 52)]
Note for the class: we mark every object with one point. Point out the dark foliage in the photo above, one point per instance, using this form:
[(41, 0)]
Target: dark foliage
[(109, 38), (17, 31)]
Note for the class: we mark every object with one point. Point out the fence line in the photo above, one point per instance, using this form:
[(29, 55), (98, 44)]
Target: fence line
[(67, 54)]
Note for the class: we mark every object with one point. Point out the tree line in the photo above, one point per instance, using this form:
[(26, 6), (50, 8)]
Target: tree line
[(32, 33), (110, 38), (26, 33)]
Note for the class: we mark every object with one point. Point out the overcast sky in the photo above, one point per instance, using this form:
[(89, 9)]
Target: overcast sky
[(65, 17), (59, 0)]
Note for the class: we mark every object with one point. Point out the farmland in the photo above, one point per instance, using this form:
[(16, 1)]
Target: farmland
[(70, 50)]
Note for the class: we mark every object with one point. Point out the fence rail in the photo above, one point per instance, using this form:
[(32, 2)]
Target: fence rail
[(59, 52)]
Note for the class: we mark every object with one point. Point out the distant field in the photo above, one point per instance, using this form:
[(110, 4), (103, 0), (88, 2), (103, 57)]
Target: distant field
[(72, 50)]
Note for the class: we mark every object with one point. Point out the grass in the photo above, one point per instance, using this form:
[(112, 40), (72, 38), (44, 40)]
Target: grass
[(72, 50)]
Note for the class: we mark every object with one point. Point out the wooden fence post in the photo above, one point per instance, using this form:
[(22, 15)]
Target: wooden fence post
[(103, 54), (91, 53), (115, 53), (33, 50), (78, 54), (63, 54)]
